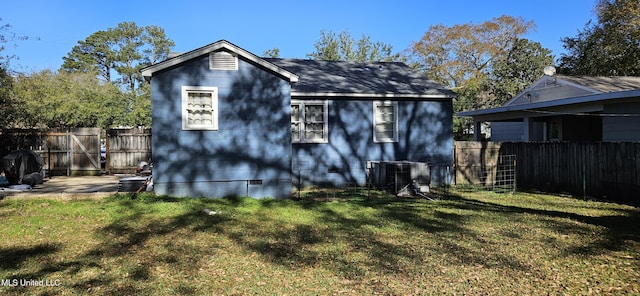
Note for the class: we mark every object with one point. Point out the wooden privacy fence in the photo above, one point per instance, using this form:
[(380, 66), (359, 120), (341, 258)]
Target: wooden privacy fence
[(608, 170), (481, 163), (77, 151), (126, 148), (74, 151)]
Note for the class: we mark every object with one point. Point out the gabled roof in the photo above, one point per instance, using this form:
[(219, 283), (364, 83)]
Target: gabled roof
[(329, 78), (551, 88), (217, 46), (360, 79), (563, 92)]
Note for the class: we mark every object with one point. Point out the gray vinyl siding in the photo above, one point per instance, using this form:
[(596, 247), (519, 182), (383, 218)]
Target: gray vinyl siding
[(514, 131), (621, 128), (506, 131)]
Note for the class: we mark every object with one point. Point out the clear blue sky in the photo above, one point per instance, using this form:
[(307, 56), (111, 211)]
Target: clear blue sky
[(54, 27)]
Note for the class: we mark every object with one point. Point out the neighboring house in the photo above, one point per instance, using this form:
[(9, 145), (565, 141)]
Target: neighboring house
[(227, 122), (566, 108)]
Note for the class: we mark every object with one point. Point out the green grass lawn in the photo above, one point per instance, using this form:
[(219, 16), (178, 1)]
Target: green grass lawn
[(468, 243)]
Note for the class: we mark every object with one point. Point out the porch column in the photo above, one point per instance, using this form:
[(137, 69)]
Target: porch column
[(477, 131), (527, 126)]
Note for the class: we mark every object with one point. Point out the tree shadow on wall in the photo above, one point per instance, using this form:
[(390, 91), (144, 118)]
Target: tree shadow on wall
[(253, 140), (424, 135)]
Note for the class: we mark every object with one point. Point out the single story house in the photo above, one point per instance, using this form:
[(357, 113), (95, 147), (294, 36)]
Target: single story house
[(227, 122), (567, 108)]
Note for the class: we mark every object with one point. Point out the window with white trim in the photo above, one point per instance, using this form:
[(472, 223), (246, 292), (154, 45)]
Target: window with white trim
[(309, 121), (385, 121), (199, 108)]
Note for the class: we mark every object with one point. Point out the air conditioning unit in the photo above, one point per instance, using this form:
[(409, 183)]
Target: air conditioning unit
[(400, 177)]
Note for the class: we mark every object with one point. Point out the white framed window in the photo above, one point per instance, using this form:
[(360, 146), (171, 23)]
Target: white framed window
[(199, 108), (385, 121), (309, 121)]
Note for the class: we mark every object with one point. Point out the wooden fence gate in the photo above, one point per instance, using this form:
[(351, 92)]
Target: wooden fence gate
[(75, 151)]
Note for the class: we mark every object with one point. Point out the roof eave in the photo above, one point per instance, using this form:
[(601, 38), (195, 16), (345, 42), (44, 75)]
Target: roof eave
[(371, 95), (222, 44), (555, 103)]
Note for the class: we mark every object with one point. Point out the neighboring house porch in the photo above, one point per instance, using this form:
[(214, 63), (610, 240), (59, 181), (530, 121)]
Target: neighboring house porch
[(565, 108)]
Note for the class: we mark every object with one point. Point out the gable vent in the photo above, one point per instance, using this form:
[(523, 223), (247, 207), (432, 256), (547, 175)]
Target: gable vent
[(222, 61)]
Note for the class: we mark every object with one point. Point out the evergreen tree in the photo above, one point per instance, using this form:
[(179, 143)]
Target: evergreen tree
[(610, 46), (343, 47)]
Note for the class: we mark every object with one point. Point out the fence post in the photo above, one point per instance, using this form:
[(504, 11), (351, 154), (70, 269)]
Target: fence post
[(447, 183), (69, 153), (584, 179), (515, 172), (49, 161)]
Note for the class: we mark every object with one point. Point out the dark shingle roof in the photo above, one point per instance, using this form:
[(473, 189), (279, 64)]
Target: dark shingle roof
[(392, 79)]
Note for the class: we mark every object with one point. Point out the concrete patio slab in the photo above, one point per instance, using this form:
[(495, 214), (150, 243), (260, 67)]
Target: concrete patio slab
[(80, 186)]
